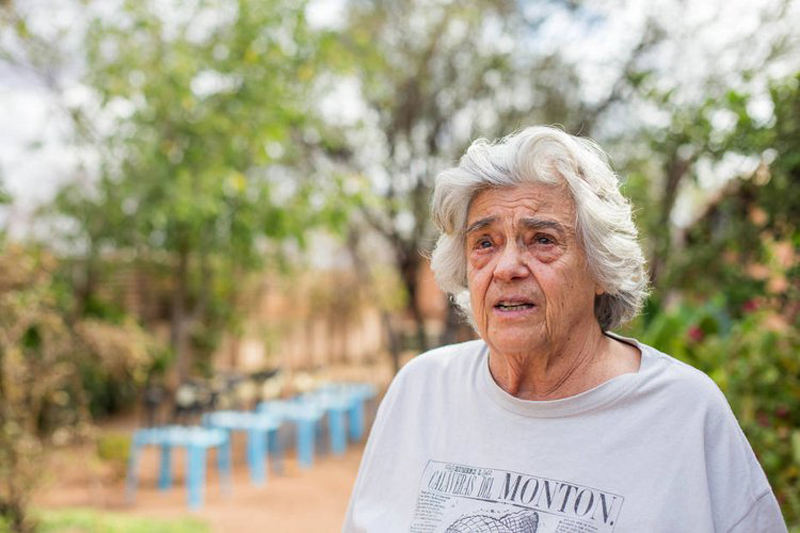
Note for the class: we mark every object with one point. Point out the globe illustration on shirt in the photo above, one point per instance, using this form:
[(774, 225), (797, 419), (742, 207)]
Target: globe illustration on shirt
[(519, 522)]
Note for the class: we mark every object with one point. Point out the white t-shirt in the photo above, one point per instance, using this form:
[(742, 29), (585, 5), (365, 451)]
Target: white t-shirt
[(654, 451)]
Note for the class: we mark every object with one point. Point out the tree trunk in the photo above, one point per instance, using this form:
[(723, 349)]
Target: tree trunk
[(85, 289), (178, 337), (677, 169), (364, 272), (410, 275), (392, 340), (233, 353)]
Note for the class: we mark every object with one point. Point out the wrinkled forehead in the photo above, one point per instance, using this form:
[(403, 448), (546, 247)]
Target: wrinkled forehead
[(514, 203)]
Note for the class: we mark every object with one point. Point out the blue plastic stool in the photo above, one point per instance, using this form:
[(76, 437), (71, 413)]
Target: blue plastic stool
[(360, 394), (258, 426), (196, 440), (305, 417)]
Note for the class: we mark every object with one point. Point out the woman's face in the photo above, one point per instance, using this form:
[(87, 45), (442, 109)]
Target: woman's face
[(530, 287)]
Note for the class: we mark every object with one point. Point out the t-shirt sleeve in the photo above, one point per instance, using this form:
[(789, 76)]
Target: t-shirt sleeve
[(763, 517), (350, 525), (737, 481), (367, 467)]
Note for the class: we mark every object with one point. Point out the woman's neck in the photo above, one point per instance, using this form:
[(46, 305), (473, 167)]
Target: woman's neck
[(558, 371)]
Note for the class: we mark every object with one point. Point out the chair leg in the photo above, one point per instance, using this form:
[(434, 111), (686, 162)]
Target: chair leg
[(336, 430), (305, 442), (224, 464), (133, 474), (165, 471), (275, 448), (196, 476), (256, 455), (356, 421), (321, 435)]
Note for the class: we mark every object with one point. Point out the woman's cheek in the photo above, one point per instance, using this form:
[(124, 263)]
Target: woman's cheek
[(547, 256), (479, 259)]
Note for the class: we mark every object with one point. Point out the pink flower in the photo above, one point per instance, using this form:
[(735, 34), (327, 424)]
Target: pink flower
[(696, 334), (750, 306), (782, 411)]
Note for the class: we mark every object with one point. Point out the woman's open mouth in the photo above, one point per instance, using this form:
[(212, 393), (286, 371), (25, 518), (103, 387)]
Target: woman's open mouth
[(513, 307)]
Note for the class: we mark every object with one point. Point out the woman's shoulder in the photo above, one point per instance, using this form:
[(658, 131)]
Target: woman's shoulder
[(444, 358), (452, 362), (428, 375), (681, 381)]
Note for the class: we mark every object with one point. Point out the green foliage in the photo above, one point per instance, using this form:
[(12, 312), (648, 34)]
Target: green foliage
[(190, 162), (778, 193), (748, 237), (35, 374), (43, 354), (114, 449)]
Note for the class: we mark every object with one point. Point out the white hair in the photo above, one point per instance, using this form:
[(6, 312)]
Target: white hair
[(604, 224)]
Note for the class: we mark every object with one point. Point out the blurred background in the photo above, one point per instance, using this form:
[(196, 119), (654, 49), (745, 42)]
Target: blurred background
[(207, 204)]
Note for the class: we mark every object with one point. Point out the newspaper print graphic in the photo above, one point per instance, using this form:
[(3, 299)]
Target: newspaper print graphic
[(521, 522), (456, 498)]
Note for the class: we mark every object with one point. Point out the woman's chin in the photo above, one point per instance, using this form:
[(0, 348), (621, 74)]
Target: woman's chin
[(511, 341)]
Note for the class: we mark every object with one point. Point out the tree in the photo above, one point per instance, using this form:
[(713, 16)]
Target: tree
[(203, 103)]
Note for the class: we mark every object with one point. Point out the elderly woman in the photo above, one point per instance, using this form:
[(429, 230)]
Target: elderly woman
[(550, 422)]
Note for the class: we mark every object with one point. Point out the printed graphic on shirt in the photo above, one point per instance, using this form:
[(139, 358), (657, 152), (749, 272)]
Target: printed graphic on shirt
[(521, 522), (457, 498)]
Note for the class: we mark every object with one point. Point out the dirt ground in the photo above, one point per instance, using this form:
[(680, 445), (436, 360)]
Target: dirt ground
[(298, 500)]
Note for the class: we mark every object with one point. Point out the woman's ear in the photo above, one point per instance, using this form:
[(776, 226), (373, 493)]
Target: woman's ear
[(599, 290)]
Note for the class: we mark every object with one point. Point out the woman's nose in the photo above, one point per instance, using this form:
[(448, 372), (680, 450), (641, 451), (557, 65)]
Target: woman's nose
[(511, 264)]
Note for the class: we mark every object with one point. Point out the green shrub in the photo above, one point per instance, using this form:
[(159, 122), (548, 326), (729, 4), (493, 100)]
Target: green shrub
[(114, 449)]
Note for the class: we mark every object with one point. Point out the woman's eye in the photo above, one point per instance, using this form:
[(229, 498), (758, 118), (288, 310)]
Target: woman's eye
[(484, 243), (543, 240)]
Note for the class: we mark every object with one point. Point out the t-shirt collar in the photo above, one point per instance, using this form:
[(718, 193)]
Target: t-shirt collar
[(586, 401)]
